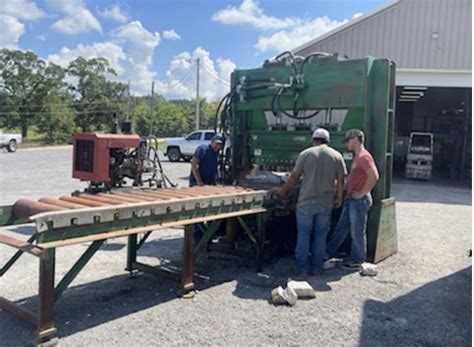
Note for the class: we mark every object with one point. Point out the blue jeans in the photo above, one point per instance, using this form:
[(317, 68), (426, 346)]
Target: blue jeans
[(313, 222), (353, 219)]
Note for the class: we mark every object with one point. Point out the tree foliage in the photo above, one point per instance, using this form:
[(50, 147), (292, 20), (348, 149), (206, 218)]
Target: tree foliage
[(58, 101), (26, 81)]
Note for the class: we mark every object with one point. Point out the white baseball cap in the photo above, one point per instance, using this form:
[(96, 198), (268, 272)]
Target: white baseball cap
[(321, 133)]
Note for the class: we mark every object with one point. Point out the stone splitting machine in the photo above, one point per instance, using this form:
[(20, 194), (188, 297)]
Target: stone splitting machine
[(267, 117)]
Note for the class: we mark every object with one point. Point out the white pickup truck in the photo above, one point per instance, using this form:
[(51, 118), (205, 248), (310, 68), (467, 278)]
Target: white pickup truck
[(184, 147), (9, 141)]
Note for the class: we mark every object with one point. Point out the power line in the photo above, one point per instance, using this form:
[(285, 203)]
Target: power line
[(49, 112), (63, 104), (213, 74)]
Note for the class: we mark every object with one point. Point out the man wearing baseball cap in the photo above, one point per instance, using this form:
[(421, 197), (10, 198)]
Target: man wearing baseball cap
[(353, 219), (323, 170), (204, 162)]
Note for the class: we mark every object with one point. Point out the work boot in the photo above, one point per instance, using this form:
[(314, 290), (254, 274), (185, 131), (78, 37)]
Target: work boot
[(315, 272), (297, 273)]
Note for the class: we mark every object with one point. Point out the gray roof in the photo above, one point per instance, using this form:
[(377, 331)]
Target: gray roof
[(416, 34)]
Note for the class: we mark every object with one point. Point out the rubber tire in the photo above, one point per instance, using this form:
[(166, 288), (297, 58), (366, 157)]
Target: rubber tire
[(12, 146), (174, 154), (187, 159)]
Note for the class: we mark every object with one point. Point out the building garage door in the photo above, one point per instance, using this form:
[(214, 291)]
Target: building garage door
[(445, 112)]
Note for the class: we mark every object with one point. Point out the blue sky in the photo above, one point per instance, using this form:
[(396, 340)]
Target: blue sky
[(159, 40)]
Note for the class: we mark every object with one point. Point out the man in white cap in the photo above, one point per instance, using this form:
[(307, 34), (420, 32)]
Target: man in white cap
[(323, 170)]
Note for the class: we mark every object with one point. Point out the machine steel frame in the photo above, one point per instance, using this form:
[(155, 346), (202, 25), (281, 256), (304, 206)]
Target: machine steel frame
[(136, 221)]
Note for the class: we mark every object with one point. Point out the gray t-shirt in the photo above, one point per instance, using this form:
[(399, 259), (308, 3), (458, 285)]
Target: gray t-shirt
[(319, 165)]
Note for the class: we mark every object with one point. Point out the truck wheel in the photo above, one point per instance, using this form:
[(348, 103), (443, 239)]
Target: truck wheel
[(187, 159), (12, 146), (174, 154)]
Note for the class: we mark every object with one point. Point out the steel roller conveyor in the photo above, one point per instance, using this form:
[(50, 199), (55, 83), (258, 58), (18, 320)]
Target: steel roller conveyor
[(135, 213)]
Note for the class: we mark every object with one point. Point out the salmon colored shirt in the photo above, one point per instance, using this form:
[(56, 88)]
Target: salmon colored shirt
[(359, 169)]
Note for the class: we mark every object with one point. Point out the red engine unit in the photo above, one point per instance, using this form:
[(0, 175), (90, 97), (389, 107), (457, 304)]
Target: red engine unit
[(91, 157)]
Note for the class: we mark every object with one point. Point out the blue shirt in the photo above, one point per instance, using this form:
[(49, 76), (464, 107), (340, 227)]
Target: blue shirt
[(207, 165)]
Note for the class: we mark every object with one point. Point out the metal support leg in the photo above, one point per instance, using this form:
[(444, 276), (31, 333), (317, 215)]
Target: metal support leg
[(206, 238), (187, 285), (15, 257), (131, 253), (259, 247), (46, 330), (76, 268)]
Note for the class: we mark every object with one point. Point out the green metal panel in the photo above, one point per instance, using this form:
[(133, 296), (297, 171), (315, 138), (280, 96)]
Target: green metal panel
[(382, 240), (118, 224), (365, 87), (7, 217)]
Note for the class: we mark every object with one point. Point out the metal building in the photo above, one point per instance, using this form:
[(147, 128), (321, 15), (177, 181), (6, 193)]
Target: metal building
[(430, 41)]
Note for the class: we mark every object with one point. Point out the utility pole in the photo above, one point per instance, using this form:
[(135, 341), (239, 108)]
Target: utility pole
[(128, 101), (197, 93), (152, 106)]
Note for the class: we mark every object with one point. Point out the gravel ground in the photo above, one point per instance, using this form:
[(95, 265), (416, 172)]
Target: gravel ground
[(421, 296)]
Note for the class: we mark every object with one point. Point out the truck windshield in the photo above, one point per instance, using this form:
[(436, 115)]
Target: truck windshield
[(420, 144)]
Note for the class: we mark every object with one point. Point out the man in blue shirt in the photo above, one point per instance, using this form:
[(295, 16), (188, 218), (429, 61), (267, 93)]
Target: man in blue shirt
[(204, 163)]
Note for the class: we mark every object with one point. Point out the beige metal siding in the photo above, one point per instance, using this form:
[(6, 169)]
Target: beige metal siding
[(404, 33)]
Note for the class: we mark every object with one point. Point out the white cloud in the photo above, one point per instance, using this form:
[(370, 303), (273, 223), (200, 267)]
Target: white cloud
[(113, 52), (77, 19), (130, 53), (11, 15), (41, 37), (11, 32), (181, 76), (22, 9), (250, 13), (355, 15), (288, 39), (114, 12), (281, 33), (171, 35), (140, 42)]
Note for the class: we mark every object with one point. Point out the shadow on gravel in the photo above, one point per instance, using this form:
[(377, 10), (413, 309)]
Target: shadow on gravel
[(436, 314), (92, 304)]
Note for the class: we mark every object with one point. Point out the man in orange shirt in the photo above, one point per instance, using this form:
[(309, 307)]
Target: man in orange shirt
[(357, 202)]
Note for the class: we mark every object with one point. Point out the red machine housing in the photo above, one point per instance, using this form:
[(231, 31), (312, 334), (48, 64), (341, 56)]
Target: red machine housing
[(91, 154)]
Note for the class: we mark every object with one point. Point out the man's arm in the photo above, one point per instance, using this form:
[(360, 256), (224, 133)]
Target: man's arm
[(341, 173), (339, 189), (195, 170), (372, 178), (292, 180)]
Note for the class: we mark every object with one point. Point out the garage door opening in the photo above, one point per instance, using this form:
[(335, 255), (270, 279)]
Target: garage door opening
[(444, 112)]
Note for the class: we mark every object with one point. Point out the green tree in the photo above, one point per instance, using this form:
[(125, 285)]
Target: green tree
[(56, 120), (97, 97), (170, 120), (140, 116), (26, 81)]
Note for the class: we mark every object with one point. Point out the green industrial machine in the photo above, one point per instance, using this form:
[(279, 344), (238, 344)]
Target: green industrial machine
[(271, 111)]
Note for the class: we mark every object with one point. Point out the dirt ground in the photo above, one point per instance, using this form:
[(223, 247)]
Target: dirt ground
[(421, 296)]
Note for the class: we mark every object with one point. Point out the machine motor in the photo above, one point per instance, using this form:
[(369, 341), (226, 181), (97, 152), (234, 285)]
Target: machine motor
[(106, 160)]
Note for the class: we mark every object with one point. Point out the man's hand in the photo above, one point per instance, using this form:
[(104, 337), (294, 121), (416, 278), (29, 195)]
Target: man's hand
[(200, 184), (280, 194), (337, 202)]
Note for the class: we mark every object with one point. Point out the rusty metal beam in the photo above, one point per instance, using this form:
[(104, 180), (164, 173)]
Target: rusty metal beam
[(82, 201), (100, 199), (134, 196), (151, 198), (118, 197), (59, 203), (25, 208), (21, 245), (17, 311)]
